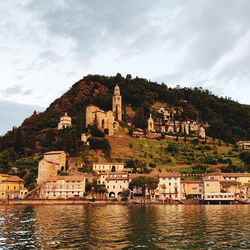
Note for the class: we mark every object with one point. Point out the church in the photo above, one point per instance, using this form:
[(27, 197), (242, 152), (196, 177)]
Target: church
[(107, 121)]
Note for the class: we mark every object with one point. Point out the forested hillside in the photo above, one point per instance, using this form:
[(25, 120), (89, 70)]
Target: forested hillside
[(228, 120)]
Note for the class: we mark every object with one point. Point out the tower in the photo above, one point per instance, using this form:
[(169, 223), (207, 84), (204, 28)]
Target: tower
[(117, 104), (151, 124)]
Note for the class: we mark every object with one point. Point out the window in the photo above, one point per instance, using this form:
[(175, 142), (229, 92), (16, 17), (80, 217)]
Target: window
[(169, 183), (207, 185), (200, 190), (200, 185), (108, 187), (113, 186), (120, 186)]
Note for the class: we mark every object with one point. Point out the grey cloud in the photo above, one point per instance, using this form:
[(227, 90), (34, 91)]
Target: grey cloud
[(96, 25), (16, 90)]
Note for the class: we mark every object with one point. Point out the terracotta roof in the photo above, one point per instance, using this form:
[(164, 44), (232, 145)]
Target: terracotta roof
[(109, 163), (116, 178), (192, 181), (236, 174), (168, 174), (54, 152), (12, 178), (114, 173), (68, 178)]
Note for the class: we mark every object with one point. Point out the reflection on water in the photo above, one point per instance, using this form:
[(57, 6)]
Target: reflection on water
[(124, 227)]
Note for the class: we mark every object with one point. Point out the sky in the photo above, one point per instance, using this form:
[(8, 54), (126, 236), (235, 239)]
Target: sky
[(46, 46)]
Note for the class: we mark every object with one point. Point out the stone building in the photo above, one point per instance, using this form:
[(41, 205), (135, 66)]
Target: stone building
[(106, 120), (65, 122), (52, 162), (117, 104)]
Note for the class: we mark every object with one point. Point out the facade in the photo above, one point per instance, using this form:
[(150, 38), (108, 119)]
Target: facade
[(11, 187), (65, 122), (63, 187), (52, 162), (106, 167), (191, 189), (245, 145), (169, 186), (106, 120), (243, 178), (115, 185)]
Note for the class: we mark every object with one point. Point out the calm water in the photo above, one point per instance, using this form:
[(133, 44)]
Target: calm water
[(125, 227)]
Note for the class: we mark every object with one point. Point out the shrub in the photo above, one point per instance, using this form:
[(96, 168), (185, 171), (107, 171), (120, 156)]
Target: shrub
[(103, 144)]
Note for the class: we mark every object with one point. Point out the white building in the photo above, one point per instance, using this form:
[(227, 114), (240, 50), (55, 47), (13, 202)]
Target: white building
[(108, 167), (63, 187), (169, 186), (115, 185), (65, 122)]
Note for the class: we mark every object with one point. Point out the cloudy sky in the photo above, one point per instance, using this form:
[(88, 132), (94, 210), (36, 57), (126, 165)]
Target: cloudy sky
[(46, 46)]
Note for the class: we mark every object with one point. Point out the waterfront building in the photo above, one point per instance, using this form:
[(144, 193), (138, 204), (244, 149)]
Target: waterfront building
[(11, 187), (52, 162), (65, 122), (104, 167), (191, 189), (169, 186), (243, 178), (116, 184), (64, 187)]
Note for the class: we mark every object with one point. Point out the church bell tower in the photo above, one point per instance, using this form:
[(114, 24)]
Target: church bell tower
[(117, 104)]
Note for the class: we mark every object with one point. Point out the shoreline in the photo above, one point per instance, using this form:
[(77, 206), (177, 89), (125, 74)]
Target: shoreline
[(99, 202)]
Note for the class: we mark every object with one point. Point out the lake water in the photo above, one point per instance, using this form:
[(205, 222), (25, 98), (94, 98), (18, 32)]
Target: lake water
[(125, 227)]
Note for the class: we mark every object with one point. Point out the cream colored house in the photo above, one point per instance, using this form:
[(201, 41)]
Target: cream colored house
[(52, 162), (169, 186), (116, 184), (105, 167), (65, 122), (63, 187)]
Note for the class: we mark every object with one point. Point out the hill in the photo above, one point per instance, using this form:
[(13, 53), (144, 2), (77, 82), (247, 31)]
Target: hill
[(228, 121)]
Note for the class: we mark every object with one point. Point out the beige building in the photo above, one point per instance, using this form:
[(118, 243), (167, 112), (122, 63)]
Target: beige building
[(192, 189), (63, 187), (65, 122), (52, 162), (11, 187), (243, 178), (105, 167), (106, 120)]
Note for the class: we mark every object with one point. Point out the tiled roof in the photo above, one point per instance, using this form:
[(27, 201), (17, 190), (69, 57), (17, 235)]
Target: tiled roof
[(109, 163), (54, 152), (68, 178), (116, 178), (12, 178)]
